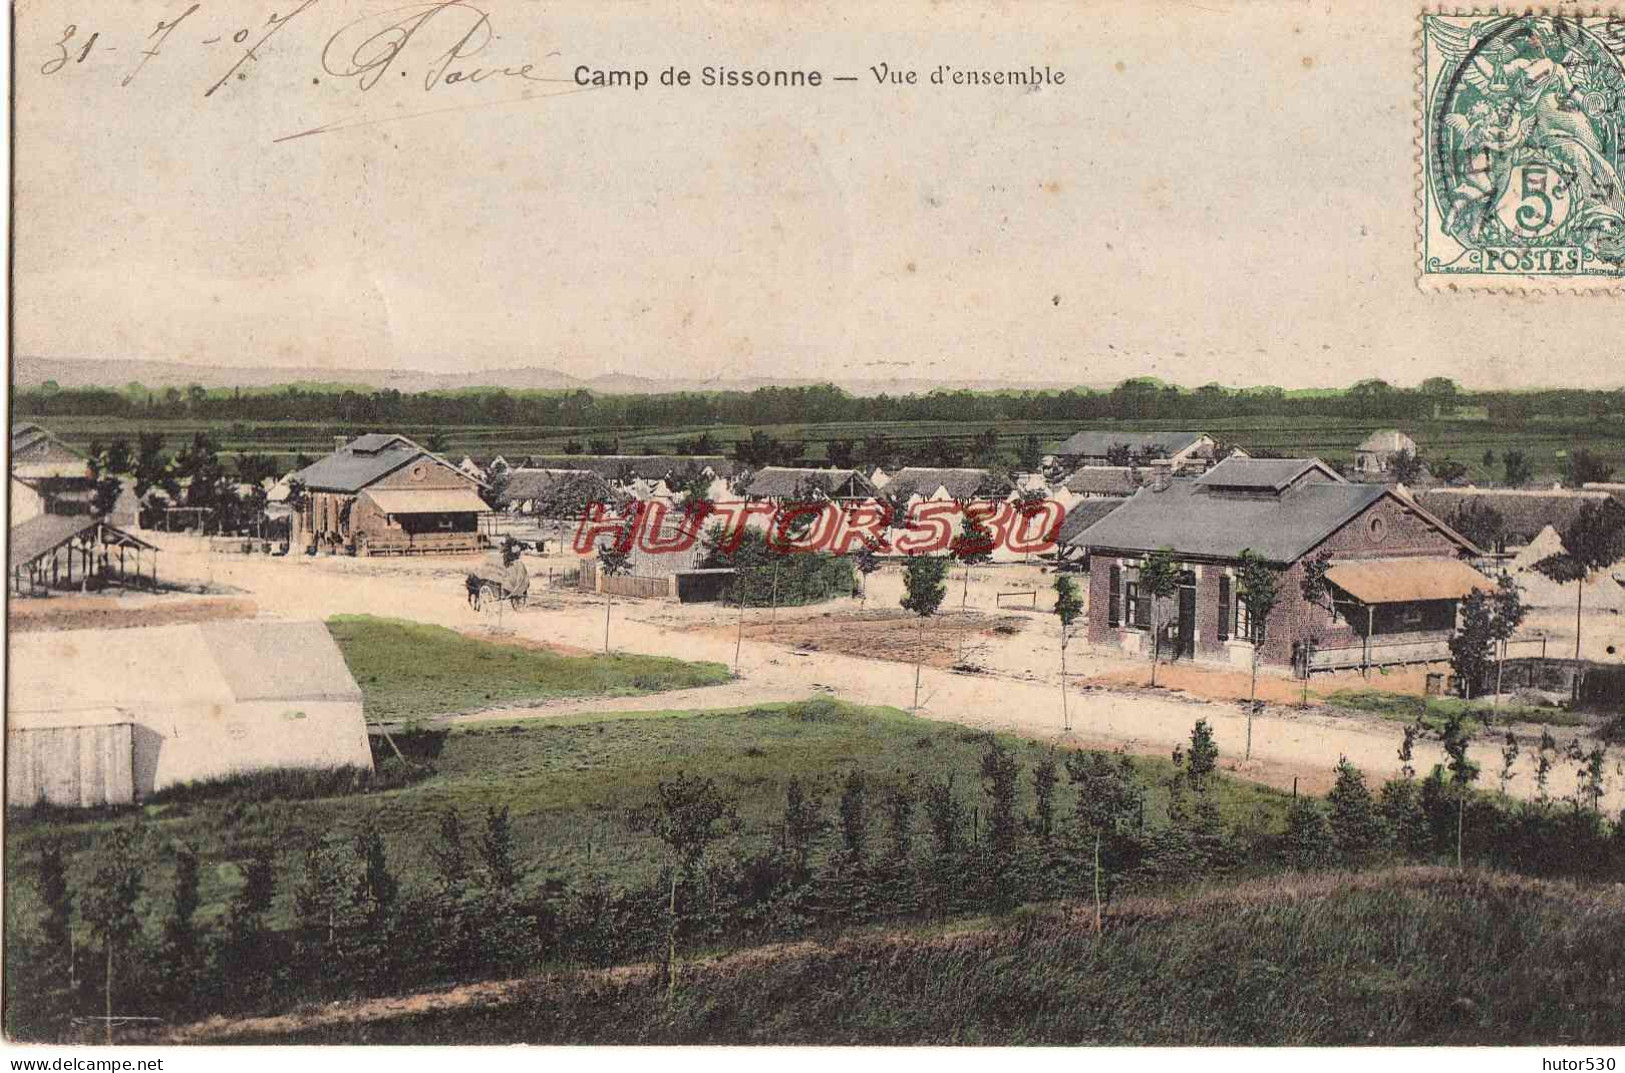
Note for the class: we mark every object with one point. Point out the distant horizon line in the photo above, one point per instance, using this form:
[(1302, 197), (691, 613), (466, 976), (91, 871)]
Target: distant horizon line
[(348, 374)]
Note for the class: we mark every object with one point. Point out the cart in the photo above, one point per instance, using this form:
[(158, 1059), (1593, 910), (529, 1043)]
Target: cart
[(492, 583)]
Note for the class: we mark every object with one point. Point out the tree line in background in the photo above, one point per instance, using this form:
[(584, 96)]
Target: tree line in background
[(1138, 399), (899, 849)]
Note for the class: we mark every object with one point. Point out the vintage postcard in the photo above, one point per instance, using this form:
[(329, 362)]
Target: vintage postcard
[(743, 523)]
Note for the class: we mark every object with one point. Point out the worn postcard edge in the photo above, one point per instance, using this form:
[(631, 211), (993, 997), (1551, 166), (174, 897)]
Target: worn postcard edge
[(1510, 284)]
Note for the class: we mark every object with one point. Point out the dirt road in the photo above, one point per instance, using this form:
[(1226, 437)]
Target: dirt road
[(1019, 691)]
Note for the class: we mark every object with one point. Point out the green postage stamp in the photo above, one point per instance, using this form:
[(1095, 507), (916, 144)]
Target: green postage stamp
[(1522, 116)]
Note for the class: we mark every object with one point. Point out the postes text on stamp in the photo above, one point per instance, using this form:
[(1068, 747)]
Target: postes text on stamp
[(1522, 119)]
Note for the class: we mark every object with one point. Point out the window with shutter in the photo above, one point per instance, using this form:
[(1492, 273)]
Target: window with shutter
[(1114, 604), (1224, 608), (1142, 611)]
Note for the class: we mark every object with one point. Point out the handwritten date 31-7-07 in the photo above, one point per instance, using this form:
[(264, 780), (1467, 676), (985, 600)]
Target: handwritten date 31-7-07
[(435, 42)]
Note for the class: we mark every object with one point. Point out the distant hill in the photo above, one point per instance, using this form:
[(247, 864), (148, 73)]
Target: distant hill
[(31, 371)]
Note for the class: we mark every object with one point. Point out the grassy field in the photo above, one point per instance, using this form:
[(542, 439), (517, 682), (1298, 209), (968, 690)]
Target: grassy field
[(1433, 712), (1406, 956), (568, 783), (1464, 438), (409, 670)]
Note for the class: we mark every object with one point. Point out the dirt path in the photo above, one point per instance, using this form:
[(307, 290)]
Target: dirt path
[(1272, 890), (1019, 692)]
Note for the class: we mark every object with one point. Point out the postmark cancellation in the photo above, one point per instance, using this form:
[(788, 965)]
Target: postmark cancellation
[(1520, 164)]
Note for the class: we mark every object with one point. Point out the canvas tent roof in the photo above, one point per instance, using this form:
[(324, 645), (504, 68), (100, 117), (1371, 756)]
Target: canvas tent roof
[(427, 500), (646, 467), (1390, 581), (1387, 439), (777, 482), (1097, 444), (1103, 480), (960, 482), (1546, 543)]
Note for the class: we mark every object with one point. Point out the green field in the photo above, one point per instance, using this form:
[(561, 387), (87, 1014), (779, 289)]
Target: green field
[(1414, 956), (1462, 438), (409, 670), (568, 783)]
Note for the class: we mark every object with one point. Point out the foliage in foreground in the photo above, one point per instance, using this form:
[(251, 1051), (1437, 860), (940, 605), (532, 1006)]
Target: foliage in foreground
[(1406, 956), (914, 849)]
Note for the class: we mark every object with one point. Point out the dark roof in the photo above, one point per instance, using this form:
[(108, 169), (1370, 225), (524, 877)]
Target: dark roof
[(1523, 513), (961, 483), (645, 467), (1096, 444), (559, 492), (780, 482), (354, 467), (1083, 514), (1199, 521), (1264, 474), (44, 533), (1103, 480)]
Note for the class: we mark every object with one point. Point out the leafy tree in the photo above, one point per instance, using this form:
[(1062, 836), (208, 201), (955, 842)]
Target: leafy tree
[(496, 849), (1159, 580), (1316, 592), (449, 852), (1516, 469), (151, 467), (867, 560), (945, 817), (1507, 612), (1356, 822), (1203, 757), (1310, 842), (1119, 454), (972, 547), (614, 559), (1545, 760), (1489, 457), (923, 595), (1405, 467), (1455, 740), (109, 905), (181, 951), (1258, 590), (1509, 758), (854, 809), (1472, 644), (1585, 466), (105, 496), (1448, 470), (1068, 607), (1000, 773), (803, 821), (1046, 773), (119, 458), (1030, 456), (54, 971), (1593, 541), (687, 815), (840, 453), (1480, 523)]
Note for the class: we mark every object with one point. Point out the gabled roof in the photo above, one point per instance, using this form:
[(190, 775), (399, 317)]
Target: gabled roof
[(44, 533), (1524, 512), (781, 482), (1265, 474), (1387, 439), (1085, 513), (960, 482), (1196, 521), (645, 467), (552, 491), (352, 469), (1103, 480), (1097, 444)]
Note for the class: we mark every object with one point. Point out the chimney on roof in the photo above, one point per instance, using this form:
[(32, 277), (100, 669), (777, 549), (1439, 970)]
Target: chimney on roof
[(1162, 482), (338, 444)]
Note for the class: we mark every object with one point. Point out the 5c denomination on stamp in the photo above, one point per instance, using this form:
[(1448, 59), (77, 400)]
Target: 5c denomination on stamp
[(1522, 120)]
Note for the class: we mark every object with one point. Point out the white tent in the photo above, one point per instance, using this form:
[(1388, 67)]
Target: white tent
[(110, 716), (1546, 543)]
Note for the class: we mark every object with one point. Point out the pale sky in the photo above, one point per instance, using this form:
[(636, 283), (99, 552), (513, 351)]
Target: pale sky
[(1218, 191)]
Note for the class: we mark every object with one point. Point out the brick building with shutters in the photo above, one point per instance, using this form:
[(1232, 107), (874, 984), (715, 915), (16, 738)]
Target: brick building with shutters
[(1395, 573)]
